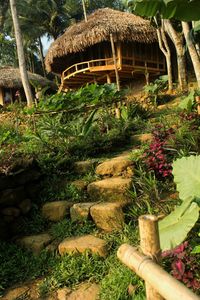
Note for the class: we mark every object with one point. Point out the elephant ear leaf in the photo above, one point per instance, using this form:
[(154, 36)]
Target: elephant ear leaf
[(186, 172), (174, 228)]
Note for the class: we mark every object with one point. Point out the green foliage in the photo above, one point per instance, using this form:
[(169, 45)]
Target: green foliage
[(92, 94), (186, 173), (174, 228), (188, 102), (182, 10), (67, 228), (17, 265), (115, 284), (71, 270), (154, 88)]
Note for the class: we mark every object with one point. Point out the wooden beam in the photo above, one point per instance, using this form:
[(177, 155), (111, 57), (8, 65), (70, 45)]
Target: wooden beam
[(115, 62)]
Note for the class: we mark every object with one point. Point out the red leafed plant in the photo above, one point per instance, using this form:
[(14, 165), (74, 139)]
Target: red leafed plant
[(184, 265), (157, 157)]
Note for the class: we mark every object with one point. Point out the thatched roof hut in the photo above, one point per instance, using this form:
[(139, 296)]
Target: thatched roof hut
[(10, 78), (124, 26), (84, 51)]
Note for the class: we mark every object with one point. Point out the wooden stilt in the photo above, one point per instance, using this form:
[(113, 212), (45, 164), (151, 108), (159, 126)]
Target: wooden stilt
[(115, 62), (150, 246)]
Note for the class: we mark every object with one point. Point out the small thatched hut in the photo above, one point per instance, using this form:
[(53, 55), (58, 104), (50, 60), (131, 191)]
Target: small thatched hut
[(10, 82), (83, 54)]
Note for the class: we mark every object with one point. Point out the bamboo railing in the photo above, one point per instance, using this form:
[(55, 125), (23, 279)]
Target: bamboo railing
[(145, 263)]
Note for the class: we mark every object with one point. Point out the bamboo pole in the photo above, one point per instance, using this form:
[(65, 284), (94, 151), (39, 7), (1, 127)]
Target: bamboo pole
[(150, 246), (84, 10), (115, 62), (166, 285)]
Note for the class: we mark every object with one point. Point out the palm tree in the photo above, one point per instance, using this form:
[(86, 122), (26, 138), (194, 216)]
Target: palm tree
[(20, 53)]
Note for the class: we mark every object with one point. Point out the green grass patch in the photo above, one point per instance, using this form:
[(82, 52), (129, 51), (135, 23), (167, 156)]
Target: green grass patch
[(67, 228)]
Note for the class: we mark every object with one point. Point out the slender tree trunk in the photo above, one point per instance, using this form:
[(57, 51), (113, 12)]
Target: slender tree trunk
[(84, 10), (20, 53), (164, 47), (192, 50), (197, 45), (177, 39), (42, 56)]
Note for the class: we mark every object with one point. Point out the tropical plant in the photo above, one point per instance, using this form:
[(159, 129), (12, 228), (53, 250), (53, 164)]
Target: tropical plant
[(155, 87), (175, 227), (184, 265), (187, 103)]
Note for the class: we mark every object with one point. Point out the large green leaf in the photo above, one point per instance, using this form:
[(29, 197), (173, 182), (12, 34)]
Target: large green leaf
[(174, 228), (186, 173), (179, 9)]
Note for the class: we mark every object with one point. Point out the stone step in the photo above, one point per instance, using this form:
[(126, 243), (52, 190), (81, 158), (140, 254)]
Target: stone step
[(35, 243), (121, 165), (81, 211), (82, 244), (108, 216), (56, 211), (110, 189)]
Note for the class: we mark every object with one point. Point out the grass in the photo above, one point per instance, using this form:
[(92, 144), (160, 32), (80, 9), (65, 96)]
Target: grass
[(67, 228), (18, 265)]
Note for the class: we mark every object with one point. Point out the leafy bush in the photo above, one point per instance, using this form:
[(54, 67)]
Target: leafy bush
[(156, 157), (89, 95), (154, 88), (184, 265)]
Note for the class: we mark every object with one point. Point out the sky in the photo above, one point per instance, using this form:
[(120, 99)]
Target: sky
[(46, 43)]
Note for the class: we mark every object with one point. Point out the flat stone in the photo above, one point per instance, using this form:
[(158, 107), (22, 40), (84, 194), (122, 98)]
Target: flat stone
[(11, 211), (110, 189), (81, 211), (80, 184), (56, 211), (114, 167), (35, 243), (12, 197), (143, 138), (83, 167), (108, 216), (25, 206), (82, 244), (86, 291), (62, 294), (16, 293)]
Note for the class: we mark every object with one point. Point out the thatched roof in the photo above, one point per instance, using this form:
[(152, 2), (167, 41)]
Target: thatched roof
[(124, 26), (10, 78)]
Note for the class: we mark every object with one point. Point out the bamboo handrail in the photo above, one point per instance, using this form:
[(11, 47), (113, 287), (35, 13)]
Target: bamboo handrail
[(109, 62), (166, 285)]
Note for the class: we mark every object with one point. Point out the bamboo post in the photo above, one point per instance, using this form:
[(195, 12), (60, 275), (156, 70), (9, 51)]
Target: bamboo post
[(115, 62), (150, 246), (84, 10), (166, 285)]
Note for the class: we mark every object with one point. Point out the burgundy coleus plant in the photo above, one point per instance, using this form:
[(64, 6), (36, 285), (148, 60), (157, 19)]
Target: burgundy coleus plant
[(184, 265), (156, 157)]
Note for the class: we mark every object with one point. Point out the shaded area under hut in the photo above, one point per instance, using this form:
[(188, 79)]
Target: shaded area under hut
[(83, 54), (11, 88)]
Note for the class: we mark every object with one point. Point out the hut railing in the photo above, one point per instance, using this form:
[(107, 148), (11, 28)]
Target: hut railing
[(145, 262), (104, 64), (86, 65)]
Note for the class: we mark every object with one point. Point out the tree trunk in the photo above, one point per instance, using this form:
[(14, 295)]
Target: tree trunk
[(20, 53), (42, 56), (164, 47), (4, 8), (192, 50), (177, 39)]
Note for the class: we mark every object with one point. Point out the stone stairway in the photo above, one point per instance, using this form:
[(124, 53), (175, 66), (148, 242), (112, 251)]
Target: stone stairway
[(107, 198)]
